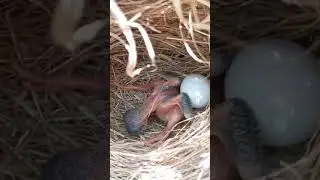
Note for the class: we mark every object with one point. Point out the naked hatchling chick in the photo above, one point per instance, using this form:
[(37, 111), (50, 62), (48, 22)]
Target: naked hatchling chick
[(166, 102)]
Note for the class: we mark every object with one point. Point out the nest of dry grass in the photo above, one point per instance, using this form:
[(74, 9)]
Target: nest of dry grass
[(237, 22), (34, 126), (186, 154)]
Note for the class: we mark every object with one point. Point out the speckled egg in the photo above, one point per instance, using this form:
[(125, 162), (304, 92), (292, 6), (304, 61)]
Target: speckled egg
[(197, 87), (281, 83)]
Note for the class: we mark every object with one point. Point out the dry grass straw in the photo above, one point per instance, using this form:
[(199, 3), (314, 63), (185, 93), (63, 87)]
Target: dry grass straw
[(35, 126), (237, 22), (186, 154)]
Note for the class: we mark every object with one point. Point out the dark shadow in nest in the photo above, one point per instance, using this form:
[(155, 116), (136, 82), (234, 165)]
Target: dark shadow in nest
[(37, 125)]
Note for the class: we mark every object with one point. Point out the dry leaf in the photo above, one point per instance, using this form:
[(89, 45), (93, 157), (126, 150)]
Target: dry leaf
[(63, 29), (66, 17), (86, 33)]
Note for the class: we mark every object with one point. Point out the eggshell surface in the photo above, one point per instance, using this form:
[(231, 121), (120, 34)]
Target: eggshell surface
[(281, 83), (197, 87)]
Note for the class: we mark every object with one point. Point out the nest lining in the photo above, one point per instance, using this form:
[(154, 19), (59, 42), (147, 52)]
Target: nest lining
[(185, 155), (37, 125)]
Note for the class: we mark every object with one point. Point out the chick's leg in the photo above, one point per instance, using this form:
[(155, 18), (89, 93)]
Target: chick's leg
[(142, 87), (58, 82), (156, 85), (173, 117), (148, 108)]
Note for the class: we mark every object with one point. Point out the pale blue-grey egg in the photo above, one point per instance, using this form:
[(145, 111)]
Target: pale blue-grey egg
[(281, 83), (197, 87)]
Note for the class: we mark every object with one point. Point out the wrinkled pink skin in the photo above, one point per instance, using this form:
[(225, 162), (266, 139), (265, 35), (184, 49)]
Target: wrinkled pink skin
[(166, 105)]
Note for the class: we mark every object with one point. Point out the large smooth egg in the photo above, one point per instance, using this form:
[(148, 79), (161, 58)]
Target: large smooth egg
[(197, 87), (281, 83)]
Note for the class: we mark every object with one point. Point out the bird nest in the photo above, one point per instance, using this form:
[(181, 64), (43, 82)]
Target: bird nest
[(237, 22), (174, 37), (36, 125)]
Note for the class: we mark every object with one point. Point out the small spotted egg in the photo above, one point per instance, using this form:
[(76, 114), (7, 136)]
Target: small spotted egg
[(197, 87)]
